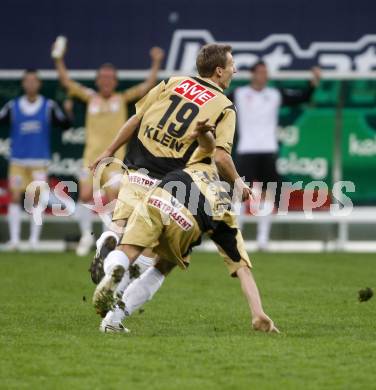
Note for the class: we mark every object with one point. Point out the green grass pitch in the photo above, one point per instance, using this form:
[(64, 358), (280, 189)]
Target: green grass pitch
[(196, 332)]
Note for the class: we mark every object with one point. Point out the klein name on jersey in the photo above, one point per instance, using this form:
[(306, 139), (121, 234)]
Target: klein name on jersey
[(175, 214), (163, 139), (194, 92)]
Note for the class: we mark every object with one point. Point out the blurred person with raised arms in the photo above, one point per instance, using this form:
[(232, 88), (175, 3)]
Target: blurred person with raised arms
[(105, 114)]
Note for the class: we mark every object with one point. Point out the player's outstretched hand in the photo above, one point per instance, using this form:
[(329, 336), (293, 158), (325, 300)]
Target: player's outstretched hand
[(243, 191), (202, 127), (247, 193), (264, 324), (104, 155), (59, 48), (157, 54), (68, 107)]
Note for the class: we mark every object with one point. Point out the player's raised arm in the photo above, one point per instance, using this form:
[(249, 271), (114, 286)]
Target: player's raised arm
[(75, 89), (293, 97), (139, 90), (124, 135), (260, 321)]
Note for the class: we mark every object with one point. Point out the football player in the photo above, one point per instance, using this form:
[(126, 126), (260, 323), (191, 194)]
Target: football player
[(171, 220), (159, 138)]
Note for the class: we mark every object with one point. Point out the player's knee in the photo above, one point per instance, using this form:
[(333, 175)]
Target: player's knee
[(112, 194), (118, 226), (132, 251), (36, 197), (15, 196), (120, 223), (164, 266), (85, 195), (148, 252)]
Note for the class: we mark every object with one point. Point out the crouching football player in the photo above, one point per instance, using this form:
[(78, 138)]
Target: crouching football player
[(171, 220)]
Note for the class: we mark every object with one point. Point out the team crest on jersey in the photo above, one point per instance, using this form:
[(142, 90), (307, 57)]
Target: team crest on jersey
[(194, 92)]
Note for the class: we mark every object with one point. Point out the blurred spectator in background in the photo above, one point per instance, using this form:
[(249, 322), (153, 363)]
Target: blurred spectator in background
[(257, 148), (106, 113), (30, 118)]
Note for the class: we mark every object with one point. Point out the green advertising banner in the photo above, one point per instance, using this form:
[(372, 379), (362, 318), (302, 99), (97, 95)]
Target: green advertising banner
[(308, 138), (306, 134)]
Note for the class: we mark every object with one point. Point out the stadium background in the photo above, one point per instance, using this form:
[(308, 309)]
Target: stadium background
[(196, 332), (340, 119)]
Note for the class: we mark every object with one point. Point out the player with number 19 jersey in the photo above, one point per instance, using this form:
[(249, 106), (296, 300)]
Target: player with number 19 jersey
[(162, 143)]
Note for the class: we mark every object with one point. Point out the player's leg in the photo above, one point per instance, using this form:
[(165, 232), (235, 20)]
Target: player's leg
[(17, 184), (129, 196), (140, 291), (264, 223), (106, 243), (115, 266), (112, 230), (111, 196), (111, 180), (142, 231), (246, 165), (110, 238), (169, 240), (84, 215), (144, 261), (267, 173), (37, 174)]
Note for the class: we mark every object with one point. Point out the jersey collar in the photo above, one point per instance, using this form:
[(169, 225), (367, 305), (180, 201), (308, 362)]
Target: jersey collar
[(208, 83), (30, 108)]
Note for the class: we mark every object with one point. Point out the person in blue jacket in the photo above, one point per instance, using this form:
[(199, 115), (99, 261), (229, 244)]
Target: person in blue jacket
[(30, 118)]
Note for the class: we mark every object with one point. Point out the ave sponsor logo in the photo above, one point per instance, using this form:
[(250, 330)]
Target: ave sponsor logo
[(194, 92)]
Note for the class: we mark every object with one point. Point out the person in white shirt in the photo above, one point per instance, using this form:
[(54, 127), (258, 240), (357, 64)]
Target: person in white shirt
[(257, 107)]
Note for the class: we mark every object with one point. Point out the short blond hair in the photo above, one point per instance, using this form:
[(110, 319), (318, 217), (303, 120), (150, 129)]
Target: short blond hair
[(210, 57)]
